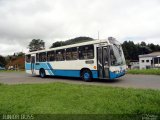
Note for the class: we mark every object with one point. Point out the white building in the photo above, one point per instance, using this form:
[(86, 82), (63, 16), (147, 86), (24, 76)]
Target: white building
[(134, 64), (151, 60)]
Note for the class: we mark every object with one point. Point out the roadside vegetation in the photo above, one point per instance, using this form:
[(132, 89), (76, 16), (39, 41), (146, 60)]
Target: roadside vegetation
[(9, 71), (145, 71), (63, 98)]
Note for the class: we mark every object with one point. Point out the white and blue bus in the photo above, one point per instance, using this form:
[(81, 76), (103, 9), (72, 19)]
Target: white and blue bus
[(97, 59)]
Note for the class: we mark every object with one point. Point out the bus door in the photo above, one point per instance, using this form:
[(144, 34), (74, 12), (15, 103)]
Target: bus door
[(33, 64), (102, 61)]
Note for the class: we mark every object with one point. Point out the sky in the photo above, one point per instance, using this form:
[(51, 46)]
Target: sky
[(54, 20)]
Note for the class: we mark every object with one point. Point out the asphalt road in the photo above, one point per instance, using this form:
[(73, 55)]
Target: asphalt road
[(133, 81)]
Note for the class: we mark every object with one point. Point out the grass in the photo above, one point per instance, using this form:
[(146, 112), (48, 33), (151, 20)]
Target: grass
[(146, 71), (63, 98)]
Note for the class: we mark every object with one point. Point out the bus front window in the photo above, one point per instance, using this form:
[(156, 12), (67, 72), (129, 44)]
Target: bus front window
[(116, 55)]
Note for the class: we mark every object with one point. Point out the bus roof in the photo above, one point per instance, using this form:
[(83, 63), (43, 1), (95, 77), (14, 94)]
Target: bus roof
[(76, 45)]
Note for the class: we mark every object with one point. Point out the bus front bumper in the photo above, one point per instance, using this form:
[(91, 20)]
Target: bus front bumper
[(114, 75)]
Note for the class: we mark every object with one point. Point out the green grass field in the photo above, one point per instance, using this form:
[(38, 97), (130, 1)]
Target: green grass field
[(147, 71), (63, 98)]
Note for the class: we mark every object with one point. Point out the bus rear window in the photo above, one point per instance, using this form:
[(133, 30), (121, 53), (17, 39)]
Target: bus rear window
[(28, 58), (86, 52)]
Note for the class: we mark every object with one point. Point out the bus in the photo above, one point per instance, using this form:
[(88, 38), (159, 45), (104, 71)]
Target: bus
[(97, 59)]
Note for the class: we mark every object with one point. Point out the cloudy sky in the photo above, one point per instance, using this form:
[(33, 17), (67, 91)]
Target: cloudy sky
[(52, 20)]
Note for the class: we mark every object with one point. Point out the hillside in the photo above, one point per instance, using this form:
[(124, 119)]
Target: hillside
[(71, 41)]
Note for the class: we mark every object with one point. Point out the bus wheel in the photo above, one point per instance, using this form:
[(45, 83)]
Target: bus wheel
[(42, 73), (87, 75)]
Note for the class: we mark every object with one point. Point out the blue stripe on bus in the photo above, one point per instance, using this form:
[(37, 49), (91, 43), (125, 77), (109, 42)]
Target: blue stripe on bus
[(50, 72), (49, 66), (28, 66), (59, 72), (50, 69), (67, 73), (72, 73)]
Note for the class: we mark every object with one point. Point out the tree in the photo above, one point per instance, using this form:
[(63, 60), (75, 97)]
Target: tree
[(132, 51), (143, 50), (125, 50), (2, 61), (18, 54), (143, 43), (36, 44), (57, 44)]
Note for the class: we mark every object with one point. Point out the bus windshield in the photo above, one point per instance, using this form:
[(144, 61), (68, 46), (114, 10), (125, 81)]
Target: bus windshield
[(116, 55)]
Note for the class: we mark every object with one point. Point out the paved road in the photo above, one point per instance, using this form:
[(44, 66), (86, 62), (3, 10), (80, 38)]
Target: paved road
[(134, 81)]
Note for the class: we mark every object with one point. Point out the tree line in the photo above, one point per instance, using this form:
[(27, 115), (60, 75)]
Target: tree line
[(132, 50)]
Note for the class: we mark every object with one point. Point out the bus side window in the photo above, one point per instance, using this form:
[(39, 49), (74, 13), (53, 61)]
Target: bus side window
[(28, 58), (71, 54), (90, 52), (86, 52), (42, 57), (74, 53), (51, 56), (37, 57), (60, 55)]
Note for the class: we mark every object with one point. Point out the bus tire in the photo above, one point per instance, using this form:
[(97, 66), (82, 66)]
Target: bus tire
[(86, 75), (42, 73)]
